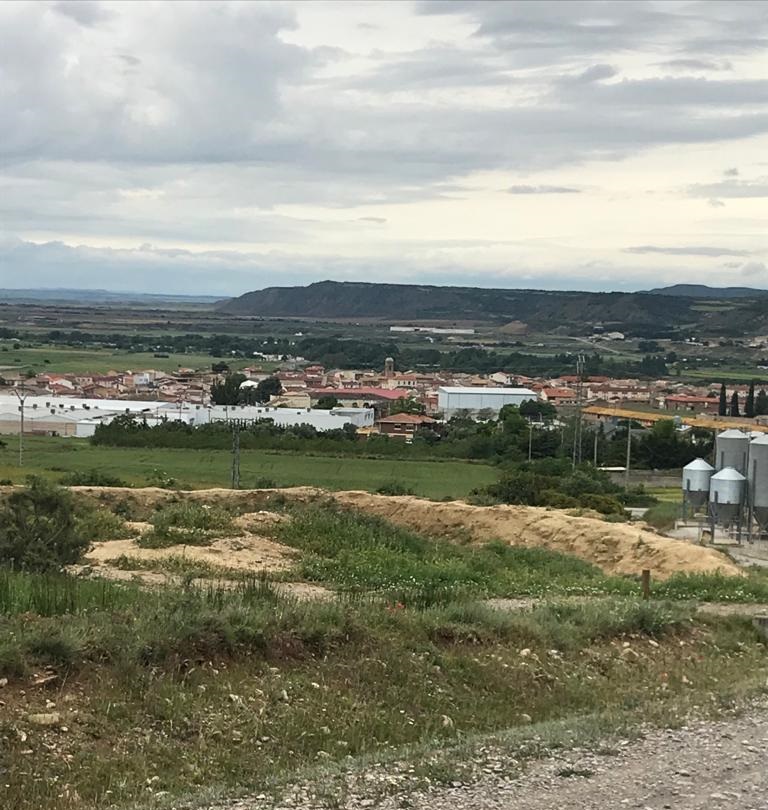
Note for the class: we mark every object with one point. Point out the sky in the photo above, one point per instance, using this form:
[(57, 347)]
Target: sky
[(221, 147)]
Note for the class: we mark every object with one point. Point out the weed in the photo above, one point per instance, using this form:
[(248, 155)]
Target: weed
[(185, 523)]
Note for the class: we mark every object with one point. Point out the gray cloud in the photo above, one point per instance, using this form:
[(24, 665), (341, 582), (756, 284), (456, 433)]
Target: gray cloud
[(594, 73), (732, 189), (695, 64), (687, 250), (83, 12), (753, 269), (543, 190)]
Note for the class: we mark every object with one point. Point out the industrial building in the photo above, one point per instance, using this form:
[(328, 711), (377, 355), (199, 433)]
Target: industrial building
[(476, 401), (71, 416), (734, 492)]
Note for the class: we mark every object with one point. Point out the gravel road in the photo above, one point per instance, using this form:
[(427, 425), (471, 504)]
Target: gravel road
[(706, 765)]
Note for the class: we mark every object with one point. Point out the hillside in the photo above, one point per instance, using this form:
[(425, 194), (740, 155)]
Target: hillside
[(332, 299), (704, 291)]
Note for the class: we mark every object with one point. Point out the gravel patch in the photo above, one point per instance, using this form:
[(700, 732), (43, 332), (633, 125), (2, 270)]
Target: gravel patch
[(704, 765)]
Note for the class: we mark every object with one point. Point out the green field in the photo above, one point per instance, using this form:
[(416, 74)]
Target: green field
[(728, 374), (65, 360), (53, 457)]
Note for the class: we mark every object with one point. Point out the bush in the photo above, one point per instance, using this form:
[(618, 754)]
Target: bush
[(101, 524), (187, 524), (91, 478), (38, 529), (394, 487)]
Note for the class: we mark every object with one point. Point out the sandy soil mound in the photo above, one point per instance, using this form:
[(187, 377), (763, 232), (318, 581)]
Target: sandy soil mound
[(616, 548), (246, 553)]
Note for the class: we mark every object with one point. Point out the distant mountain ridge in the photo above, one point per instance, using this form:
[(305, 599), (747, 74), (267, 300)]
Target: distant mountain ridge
[(705, 291), (65, 294), (639, 313), (347, 299)]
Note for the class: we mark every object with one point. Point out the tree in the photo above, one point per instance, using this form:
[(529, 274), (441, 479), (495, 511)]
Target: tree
[(219, 368), (406, 405), (734, 411), (38, 531), (539, 410), (267, 389), (326, 402), (749, 407), (722, 407), (227, 391), (761, 403)]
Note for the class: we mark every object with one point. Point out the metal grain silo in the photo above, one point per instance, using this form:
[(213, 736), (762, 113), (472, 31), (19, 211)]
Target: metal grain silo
[(696, 476), (726, 492), (732, 450), (758, 479)]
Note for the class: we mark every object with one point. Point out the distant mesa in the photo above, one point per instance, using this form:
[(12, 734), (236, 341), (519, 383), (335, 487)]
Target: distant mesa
[(400, 302), (704, 291)]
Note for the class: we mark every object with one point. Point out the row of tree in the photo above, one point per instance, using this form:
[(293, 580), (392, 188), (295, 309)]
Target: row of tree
[(754, 405)]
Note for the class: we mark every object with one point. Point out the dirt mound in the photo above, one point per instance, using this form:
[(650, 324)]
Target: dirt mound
[(617, 548)]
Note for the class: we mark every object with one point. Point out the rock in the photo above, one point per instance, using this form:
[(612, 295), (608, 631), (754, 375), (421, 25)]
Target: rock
[(525, 718), (44, 719), (3, 682)]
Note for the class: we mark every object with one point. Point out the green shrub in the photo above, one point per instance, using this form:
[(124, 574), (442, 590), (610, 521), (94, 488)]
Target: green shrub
[(38, 529), (91, 478), (394, 487), (605, 504), (187, 523), (97, 524)]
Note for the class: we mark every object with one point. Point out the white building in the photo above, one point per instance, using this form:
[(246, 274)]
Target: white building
[(74, 416), (453, 400)]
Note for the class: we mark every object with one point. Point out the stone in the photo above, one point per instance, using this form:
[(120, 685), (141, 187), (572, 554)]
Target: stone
[(44, 719)]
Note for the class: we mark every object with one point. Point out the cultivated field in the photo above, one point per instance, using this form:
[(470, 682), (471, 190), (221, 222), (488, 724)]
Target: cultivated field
[(64, 360), (54, 457)]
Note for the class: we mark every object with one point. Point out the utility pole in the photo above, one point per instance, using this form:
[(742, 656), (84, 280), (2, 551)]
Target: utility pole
[(235, 456), (579, 404), (22, 395), (629, 453), (594, 455)]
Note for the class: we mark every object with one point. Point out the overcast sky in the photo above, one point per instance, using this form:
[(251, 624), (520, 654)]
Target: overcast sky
[(222, 147)]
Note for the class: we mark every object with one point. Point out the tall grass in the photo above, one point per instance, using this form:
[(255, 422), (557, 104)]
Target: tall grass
[(57, 594), (358, 553)]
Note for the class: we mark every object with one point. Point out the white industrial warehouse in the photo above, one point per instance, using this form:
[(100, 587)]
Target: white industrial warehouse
[(72, 416), (454, 399)]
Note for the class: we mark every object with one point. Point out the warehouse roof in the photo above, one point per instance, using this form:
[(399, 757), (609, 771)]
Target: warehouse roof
[(451, 389)]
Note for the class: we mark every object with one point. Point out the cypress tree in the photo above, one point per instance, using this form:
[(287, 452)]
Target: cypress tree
[(761, 403), (735, 404), (749, 407), (723, 407)]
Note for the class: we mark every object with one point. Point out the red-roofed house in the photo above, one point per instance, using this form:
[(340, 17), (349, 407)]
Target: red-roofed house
[(403, 425)]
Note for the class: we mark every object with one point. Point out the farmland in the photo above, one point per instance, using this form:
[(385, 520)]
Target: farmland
[(63, 360), (53, 457)]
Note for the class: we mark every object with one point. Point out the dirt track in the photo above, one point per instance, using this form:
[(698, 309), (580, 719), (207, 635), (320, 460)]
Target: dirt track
[(707, 765)]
